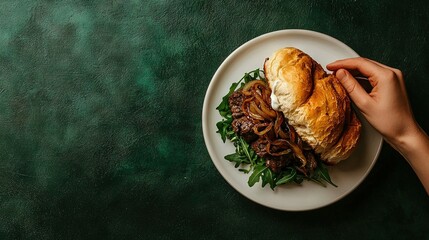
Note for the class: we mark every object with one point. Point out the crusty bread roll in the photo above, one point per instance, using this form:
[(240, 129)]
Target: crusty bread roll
[(314, 102)]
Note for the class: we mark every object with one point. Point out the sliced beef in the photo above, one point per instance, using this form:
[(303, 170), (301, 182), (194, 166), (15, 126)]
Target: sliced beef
[(276, 165), (241, 124), (260, 147), (243, 127), (235, 101)]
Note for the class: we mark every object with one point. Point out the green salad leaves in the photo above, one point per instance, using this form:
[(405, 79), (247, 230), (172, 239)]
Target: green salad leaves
[(245, 157)]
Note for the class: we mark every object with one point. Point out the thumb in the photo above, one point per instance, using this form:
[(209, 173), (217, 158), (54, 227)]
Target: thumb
[(356, 92)]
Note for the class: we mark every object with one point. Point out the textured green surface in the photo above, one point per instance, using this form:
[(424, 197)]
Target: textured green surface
[(100, 119)]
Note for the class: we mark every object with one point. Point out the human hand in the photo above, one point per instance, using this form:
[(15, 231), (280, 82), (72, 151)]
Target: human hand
[(386, 107)]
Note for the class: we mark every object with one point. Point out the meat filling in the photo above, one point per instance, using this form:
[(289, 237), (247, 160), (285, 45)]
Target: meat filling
[(279, 151)]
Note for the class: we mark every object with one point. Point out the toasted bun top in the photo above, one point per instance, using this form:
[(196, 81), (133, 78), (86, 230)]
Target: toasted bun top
[(314, 102)]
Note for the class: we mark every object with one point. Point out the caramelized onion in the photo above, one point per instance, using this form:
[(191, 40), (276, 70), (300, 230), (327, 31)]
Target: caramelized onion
[(284, 152), (282, 134), (253, 108), (281, 145), (265, 108), (298, 153), (277, 124), (253, 83), (292, 133), (267, 126), (255, 116)]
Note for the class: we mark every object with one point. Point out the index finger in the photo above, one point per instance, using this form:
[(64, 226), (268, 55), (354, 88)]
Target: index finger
[(364, 66)]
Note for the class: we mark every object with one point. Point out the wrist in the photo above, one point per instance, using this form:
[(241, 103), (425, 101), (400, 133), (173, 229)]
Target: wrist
[(414, 147), (411, 141)]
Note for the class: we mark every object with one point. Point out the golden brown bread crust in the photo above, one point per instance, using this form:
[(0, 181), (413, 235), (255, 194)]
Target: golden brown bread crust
[(314, 102)]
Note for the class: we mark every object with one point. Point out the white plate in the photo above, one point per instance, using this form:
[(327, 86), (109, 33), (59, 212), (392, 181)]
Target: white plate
[(251, 55)]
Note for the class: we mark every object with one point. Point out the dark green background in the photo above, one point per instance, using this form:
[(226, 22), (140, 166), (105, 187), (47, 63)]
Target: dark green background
[(100, 119)]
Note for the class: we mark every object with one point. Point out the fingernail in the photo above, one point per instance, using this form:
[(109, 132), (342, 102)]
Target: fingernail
[(341, 74)]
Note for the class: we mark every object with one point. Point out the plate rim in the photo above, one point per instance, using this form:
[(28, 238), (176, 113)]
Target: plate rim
[(210, 89)]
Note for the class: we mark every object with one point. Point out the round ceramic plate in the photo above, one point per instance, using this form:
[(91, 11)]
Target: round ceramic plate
[(251, 55)]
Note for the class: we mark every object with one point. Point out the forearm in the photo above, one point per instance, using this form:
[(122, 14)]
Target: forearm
[(415, 149)]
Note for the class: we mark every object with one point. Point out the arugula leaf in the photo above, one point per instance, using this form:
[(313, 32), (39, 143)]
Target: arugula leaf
[(222, 127), (225, 129), (256, 175), (268, 177), (290, 177), (298, 179), (321, 175), (246, 150), (237, 159), (324, 174)]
